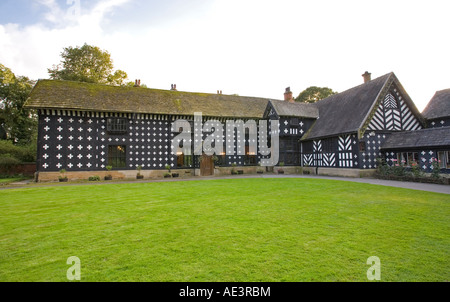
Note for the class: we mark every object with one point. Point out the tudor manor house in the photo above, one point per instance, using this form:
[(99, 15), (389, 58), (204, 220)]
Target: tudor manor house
[(83, 128)]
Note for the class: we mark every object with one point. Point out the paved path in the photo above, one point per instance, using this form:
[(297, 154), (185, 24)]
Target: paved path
[(445, 189)]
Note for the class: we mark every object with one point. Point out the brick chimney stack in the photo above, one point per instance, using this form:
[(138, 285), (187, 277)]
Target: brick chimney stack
[(367, 77), (288, 95)]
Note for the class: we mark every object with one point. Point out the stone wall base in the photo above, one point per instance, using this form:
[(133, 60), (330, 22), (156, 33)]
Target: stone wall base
[(116, 175), (218, 171), (345, 172)]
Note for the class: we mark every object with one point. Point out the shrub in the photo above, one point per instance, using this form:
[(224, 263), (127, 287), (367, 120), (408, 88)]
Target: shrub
[(415, 170), (436, 168), (94, 178), (21, 153)]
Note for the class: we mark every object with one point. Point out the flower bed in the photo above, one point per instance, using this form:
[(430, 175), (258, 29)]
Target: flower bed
[(400, 172), (442, 180)]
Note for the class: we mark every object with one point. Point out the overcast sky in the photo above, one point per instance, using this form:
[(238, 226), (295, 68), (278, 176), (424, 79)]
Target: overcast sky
[(245, 47)]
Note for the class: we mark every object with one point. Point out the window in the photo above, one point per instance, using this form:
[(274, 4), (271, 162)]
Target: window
[(407, 158), (221, 160), (328, 145), (184, 157), (362, 146), (448, 159), (250, 157), (294, 122), (116, 125), (444, 159), (289, 151), (117, 156)]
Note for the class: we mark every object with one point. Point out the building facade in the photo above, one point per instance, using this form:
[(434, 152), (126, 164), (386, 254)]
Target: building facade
[(84, 128)]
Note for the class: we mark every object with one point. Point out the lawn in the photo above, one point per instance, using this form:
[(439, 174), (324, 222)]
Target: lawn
[(224, 230), (5, 181)]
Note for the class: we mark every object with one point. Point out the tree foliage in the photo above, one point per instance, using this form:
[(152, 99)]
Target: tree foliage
[(17, 123), (313, 94), (87, 64)]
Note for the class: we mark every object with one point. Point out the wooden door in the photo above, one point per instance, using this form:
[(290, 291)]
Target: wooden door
[(206, 165)]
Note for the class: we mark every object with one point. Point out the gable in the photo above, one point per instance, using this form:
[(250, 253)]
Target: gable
[(394, 113), (270, 112), (345, 112)]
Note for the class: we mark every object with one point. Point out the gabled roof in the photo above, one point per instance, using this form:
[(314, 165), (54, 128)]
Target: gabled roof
[(68, 95), (352, 110), (439, 105), (285, 108), (345, 112), (431, 137)]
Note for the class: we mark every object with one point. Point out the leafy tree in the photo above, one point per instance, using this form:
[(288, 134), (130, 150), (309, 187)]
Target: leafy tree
[(87, 64), (313, 94), (17, 124)]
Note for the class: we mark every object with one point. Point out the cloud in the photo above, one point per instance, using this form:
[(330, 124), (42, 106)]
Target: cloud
[(30, 50), (250, 47)]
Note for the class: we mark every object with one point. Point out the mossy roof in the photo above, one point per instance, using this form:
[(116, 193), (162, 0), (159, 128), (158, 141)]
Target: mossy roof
[(431, 137), (296, 109), (68, 95), (439, 105), (345, 112)]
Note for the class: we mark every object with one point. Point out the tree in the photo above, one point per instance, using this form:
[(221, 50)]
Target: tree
[(87, 64), (17, 124), (313, 94)]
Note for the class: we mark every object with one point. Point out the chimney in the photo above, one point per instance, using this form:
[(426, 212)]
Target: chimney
[(173, 87), (137, 83), (366, 76), (288, 95)]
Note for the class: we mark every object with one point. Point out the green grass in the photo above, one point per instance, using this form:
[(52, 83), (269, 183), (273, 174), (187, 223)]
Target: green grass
[(224, 230), (5, 181)]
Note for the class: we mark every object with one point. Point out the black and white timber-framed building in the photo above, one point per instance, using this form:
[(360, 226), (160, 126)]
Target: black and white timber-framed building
[(85, 127)]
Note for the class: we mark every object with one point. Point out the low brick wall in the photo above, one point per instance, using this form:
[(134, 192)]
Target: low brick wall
[(27, 169), (54, 176), (218, 171), (253, 170), (119, 174), (344, 172)]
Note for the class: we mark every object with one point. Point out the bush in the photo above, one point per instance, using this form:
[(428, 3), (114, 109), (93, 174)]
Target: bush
[(436, 167), (21, 153), (415, 170), (94, 178)]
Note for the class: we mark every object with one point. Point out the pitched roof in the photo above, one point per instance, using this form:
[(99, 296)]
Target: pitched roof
[(53, 94), (439, 105), (345, 112), (285, 108), (431, 137)]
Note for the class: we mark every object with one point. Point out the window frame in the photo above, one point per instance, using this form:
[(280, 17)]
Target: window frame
[(116, 125), (406, 158), (444, 159), (113, 158)]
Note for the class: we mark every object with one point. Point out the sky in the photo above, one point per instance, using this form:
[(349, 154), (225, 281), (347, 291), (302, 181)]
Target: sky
[(245, 47)]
